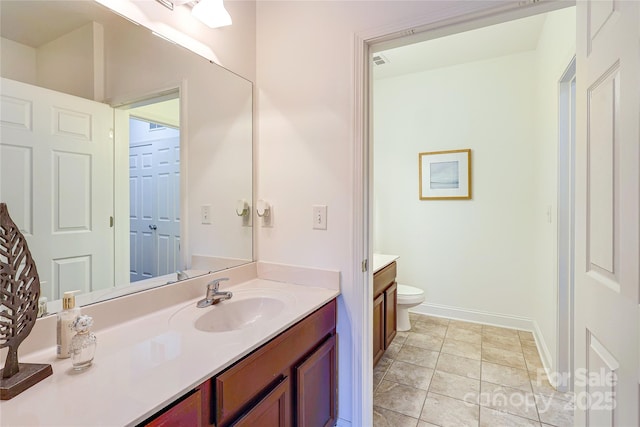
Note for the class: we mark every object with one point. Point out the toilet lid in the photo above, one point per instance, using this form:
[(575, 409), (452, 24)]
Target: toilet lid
[(409, 290)]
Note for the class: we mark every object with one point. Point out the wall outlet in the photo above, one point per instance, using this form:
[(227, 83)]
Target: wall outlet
[(205, 214), (320, 217)]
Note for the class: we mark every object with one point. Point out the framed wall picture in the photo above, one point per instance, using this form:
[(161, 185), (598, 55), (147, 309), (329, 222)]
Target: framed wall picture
[(445, 175)]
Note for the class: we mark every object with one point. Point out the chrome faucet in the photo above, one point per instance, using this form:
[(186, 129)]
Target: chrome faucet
[(213, 295)]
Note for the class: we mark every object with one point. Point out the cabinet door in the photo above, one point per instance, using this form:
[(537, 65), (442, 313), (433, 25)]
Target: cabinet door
[(378, 328), (186, 413), (244, 382), (316, 387), (390, 321), (272, 411)]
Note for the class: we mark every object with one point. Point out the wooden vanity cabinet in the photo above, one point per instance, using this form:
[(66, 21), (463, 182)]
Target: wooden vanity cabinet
[(289, 381), (188, 411), (385, 296), (305, 355), (272, 410)]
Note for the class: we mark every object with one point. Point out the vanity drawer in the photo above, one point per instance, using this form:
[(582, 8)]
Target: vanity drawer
[(238, 388), (383, 278)]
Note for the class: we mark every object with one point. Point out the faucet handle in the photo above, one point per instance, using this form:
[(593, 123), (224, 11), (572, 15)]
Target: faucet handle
[(215, 283)]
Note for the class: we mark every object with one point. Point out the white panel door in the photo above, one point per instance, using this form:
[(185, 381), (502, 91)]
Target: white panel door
[(154, 169), (168, 204), (142, 215), (607, 357), (56, 175)]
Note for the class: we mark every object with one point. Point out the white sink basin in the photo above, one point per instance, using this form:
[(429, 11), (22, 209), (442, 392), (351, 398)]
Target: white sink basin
[(232, 315), (246, 309)]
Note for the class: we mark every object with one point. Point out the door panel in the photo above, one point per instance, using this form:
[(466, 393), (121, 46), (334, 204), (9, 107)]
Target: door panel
[(604, 99), (316, 388), (378, 329), (272, 411), (72, 192), (390, 315), (17, 162), (607, 213)]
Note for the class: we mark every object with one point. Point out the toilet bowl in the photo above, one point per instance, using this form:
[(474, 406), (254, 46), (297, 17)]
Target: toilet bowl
[(408, 297)]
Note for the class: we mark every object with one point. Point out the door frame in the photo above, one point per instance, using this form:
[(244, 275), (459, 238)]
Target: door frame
[(566, 220), (121, 164), (450, 21)]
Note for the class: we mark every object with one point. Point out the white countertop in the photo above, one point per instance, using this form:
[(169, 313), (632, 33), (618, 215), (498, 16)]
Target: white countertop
[(380, 261), (144, 364)]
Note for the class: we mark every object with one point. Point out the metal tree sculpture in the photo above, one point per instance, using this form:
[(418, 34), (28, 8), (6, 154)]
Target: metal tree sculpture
[(19, 293)]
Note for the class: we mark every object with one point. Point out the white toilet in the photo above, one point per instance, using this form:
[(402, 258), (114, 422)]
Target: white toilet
[(408, 297)]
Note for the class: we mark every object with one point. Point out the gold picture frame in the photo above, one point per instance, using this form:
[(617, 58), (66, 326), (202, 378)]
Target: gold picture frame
[(445, 175)]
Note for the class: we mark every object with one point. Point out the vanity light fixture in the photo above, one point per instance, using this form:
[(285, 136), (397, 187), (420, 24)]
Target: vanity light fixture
[(166, 3), (210, 12)]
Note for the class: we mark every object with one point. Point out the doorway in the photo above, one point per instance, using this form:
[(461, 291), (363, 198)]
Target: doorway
[(150, 196), (367, 199), (566, 221)]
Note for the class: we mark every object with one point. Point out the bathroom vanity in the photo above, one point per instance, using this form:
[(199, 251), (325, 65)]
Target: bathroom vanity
[(291, 380), (384, 303), (265, 357)]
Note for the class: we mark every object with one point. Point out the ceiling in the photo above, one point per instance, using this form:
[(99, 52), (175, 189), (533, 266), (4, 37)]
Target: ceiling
[(508, 38), (51, 19)]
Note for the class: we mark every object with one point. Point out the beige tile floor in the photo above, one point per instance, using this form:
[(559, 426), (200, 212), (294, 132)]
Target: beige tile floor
[(452, 373)]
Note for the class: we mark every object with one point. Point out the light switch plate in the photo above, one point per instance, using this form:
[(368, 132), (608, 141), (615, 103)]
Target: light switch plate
[(320, 217), (205, 214)]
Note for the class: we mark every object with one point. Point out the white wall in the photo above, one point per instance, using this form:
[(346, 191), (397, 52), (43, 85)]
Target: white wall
[(18, 61), (469, 254), (305, 60), (74, 63), (166, 112), (556, 47)]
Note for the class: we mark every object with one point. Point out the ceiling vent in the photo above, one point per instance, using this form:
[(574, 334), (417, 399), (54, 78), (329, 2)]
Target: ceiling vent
[(380, 60)]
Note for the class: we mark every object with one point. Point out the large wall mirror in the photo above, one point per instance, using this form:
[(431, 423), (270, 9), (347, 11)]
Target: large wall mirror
[(125, 159)]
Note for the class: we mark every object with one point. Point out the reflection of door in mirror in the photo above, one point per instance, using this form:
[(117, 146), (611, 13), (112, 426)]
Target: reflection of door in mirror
[(154, 190), (66, 142)]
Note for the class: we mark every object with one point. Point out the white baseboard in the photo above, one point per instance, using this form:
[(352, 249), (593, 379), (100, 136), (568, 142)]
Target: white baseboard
[(476, 316), (494, 319), (545, 354), (343, 423)]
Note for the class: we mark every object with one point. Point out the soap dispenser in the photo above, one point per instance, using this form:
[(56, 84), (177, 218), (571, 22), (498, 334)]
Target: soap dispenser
[(65, 321)]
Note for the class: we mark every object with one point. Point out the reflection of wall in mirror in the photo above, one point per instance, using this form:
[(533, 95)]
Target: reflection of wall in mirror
[(73, 63), (217, 110)]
